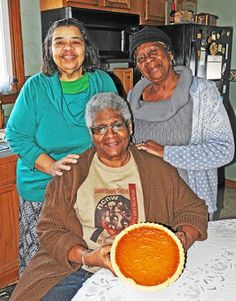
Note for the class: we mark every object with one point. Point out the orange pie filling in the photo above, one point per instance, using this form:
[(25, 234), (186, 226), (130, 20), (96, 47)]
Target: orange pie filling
[(148, 256)]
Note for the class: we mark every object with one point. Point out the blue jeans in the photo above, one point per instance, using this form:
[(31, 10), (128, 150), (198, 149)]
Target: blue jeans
[(66, 289)]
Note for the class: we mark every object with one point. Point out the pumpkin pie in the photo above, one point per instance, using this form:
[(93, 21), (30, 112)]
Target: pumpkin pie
[(147, 256)]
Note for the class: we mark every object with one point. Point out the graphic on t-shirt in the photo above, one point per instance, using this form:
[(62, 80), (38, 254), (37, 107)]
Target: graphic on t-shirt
[(112, 214), (116, 209)]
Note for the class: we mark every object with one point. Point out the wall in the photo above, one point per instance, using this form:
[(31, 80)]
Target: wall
[(225, 10), (31, 35), (32, 41)]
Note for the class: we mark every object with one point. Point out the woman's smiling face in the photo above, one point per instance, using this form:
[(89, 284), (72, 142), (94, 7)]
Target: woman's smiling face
[(153, 61), (68, 50), (111, 146)]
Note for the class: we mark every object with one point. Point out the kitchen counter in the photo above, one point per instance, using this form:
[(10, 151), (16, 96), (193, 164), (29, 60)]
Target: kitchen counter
[(6, 153), (4, 147)]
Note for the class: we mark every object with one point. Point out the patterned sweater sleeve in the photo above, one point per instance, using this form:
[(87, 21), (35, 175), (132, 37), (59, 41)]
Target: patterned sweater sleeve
[(212, 142)]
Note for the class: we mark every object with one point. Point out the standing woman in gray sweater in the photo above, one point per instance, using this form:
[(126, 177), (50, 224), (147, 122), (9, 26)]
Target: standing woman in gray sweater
[(179, 117)]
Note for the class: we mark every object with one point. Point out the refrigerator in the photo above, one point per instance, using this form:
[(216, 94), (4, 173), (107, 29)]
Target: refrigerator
[(205, 49)]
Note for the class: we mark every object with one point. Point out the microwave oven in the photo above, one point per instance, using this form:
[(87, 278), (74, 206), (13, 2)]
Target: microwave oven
[(109, 31)]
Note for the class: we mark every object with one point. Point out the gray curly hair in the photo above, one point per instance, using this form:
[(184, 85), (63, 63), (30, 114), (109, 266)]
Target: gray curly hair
[(102, 101)]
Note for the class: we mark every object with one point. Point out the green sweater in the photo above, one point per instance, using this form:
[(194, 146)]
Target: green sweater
[(44, 121)]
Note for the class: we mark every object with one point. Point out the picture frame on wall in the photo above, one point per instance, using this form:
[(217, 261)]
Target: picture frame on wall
[(189, 5)]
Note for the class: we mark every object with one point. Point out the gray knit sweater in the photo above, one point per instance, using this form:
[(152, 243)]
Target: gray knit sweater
[(210, 146)]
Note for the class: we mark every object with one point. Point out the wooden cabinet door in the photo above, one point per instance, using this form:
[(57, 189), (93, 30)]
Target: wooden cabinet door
[(125, 75), (8, 221), (8, 235), (88, 2), (52, 4), (154, 12), (123, 4)]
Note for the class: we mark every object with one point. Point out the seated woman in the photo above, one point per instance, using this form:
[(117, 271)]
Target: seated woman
[(111, 186)]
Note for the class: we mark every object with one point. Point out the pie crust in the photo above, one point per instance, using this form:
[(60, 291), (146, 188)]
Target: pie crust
[(147, 256)]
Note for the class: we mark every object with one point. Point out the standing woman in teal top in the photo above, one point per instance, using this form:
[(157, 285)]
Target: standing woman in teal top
[(47, 127)]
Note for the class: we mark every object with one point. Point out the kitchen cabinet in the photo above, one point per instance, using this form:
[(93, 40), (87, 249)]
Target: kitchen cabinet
[(151, 12), (8, 221), (52, 4), (125, 75), (123, 4), (86, 2), (128, 6)]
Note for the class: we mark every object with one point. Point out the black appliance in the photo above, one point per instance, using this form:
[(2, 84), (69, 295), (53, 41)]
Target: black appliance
[(205, 49), (109, 31)]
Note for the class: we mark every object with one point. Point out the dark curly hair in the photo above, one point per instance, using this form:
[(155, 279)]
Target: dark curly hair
[(91, 61)]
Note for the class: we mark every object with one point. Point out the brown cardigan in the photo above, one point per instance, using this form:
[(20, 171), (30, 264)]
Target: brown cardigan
[(167, 200)]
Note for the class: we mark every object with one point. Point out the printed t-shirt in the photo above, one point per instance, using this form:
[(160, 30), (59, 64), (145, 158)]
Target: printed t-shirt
[(109, 200)]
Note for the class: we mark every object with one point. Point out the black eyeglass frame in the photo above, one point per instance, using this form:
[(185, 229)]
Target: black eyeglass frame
[(116, 127)]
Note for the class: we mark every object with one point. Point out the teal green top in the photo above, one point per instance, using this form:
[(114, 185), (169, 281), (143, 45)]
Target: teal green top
[(44, 120)]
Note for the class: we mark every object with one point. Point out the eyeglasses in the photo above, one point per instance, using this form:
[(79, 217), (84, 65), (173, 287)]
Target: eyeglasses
[(103, 129)]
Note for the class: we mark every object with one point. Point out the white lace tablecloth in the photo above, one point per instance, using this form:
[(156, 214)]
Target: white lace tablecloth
[(209, 275)]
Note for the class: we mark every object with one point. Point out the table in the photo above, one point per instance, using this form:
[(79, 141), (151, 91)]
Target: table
[(209, 275)]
